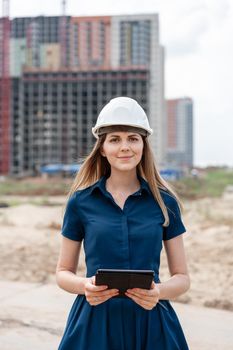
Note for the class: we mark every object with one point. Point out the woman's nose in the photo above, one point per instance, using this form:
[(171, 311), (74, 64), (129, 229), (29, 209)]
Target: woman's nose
[(124, 145)]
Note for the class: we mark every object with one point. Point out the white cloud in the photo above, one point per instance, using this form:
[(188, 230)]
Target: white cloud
[(207, 76), (186, 34)]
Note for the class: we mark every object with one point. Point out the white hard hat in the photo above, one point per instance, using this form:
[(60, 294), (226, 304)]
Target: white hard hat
[(122, 111)]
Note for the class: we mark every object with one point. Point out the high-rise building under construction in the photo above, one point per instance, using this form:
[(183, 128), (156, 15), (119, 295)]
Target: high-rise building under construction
[(180, 132), (64, 69)]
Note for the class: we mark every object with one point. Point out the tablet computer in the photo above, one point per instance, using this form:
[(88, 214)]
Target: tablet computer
[(124, 279)]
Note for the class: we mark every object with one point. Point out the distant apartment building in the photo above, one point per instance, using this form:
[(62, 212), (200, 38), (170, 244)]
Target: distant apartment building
[(64, 69), (180, 132)]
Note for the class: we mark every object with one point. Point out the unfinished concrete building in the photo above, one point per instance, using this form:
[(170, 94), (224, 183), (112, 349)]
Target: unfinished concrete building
[(64, 69)]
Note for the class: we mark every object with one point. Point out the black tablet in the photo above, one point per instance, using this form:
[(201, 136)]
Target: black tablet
[(124, 279)]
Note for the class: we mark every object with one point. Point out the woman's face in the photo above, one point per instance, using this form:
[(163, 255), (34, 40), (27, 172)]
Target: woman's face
[(123, 149)]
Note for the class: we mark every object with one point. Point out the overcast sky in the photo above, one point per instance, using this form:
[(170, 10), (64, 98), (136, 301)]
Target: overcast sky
[(197, 35)]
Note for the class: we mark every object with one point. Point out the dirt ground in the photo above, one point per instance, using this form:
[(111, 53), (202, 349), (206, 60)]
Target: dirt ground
[(30, 241)]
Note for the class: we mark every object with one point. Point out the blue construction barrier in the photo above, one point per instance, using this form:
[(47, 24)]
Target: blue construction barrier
[(59, 168), (167, 174), (171, 174)]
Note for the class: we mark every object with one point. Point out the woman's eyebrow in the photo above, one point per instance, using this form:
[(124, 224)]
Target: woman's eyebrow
[(119, 135)]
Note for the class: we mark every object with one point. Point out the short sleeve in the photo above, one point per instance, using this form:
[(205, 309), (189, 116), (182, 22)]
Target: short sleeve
[(176, 226), (72, 226)]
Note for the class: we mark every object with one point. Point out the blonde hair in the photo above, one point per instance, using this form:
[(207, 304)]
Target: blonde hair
[(95, 166)]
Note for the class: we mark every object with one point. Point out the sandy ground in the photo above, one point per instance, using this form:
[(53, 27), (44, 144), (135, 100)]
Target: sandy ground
[(33, 316), (30, 240)]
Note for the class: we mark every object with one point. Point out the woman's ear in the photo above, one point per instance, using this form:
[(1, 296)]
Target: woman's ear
[(102, 152)]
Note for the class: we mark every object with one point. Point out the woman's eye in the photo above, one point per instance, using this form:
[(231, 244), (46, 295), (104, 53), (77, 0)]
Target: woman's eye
[(133, 139), (113, 140)]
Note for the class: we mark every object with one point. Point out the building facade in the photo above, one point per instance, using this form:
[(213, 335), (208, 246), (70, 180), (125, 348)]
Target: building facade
[(180, 132), (64, 69), (58, 109)]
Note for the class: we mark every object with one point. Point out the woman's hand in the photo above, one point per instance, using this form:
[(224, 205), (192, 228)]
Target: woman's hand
[(96, 295), (144, 297)]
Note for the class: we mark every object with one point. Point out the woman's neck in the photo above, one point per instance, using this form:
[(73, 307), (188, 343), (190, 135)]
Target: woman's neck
[(127, 182)]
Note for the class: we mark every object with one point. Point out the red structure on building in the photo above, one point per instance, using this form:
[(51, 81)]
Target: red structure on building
[(4, 90)]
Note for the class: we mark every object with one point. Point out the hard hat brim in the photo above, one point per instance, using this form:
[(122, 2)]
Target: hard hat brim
[(95, 129)]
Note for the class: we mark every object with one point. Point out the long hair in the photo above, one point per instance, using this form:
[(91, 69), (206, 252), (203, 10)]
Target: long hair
[(95, 166)]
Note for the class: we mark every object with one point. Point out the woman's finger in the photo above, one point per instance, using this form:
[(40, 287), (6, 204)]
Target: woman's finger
[(144, 295), (145, 292), (92, 288), (106, 293), (141, 292), (142, 302), (96, 300), (141, 297), (93, 279), (101, 294)]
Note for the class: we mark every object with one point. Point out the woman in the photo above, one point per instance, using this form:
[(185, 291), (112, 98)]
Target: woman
[(122, 210)]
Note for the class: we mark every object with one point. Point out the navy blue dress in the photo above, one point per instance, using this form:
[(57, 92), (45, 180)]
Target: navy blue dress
[(125, 239)]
